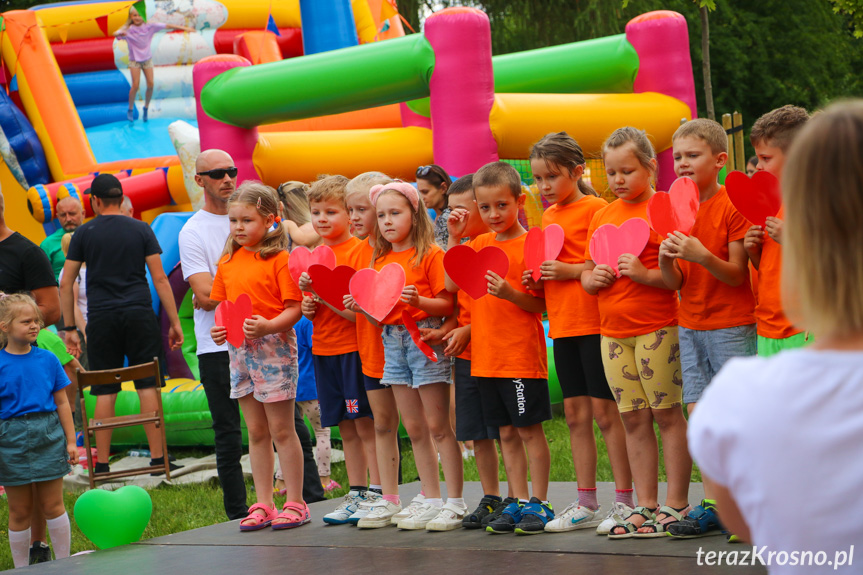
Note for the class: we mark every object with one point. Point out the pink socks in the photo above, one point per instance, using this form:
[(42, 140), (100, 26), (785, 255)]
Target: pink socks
[(587, 498), (624, 496)]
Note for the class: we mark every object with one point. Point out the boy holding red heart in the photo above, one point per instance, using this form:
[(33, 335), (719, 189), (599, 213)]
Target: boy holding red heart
[(709, 266), (508, 354), (772, 135), (464, 221), (338, 373)]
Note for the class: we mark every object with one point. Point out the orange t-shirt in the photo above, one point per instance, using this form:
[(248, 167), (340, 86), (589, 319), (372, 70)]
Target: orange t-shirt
[(506, 341), (571, 310), (428, 277), (628, 308), (333, 334), (769, 318), (369, 342), (267, 281), (463, 300), (707, 303)]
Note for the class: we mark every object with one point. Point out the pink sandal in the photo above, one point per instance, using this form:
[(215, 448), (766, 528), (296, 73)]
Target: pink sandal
[(263, 521), (300, 516)]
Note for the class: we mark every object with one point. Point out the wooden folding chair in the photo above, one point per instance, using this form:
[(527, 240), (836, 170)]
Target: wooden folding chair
[(94, 378)]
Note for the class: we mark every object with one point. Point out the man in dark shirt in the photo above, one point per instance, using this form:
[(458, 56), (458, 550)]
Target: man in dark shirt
[(120, 319), (25, 267)]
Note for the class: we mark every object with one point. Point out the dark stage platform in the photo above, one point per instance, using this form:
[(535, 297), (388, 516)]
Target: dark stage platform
[(318, 548)]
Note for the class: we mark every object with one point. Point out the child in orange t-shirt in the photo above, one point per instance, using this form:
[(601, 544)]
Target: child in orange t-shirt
[(470, 425), (558, 164), (264, 367), (338, 375), (638, 323), (771, 136), (381, 399), (405, 237), (711, 270), (508, 352)]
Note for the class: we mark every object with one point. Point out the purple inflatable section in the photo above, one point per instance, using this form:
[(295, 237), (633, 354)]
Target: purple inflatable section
[(175, 363)]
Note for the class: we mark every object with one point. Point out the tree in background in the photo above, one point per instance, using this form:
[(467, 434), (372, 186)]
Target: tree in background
[(764, 54)]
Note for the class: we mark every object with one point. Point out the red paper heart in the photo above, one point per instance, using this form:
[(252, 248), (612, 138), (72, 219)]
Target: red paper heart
[(377, 293), (676, 210), (331, 285), (412, 328), (756, 198), (542, 245), (302, 257), (609, 242), (467, 267), (232, 315)]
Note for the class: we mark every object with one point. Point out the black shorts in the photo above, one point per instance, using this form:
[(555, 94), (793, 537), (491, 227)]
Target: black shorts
[(578, 362), (120, 334), (520, 402), (470, 423), (373, 383)]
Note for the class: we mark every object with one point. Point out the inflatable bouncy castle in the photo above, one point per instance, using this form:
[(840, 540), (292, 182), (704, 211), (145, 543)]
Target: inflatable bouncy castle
[(297, 88)]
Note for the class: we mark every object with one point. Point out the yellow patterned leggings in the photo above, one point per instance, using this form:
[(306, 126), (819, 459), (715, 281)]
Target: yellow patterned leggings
[(644, 371)]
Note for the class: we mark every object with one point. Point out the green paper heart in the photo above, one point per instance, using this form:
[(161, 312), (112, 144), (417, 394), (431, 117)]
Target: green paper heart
[(113, 518)]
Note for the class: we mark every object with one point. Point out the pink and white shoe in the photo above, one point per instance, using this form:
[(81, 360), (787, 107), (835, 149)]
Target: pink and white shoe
[(331, 486)]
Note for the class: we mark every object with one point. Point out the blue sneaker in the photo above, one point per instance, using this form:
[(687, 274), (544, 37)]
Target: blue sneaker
[(342, 513), (534, 516), (145, 113), (701, 521), (508, 519), (130, 115)]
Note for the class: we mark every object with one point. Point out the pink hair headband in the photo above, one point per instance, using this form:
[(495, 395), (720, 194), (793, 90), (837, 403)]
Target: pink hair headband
[(403, 188)]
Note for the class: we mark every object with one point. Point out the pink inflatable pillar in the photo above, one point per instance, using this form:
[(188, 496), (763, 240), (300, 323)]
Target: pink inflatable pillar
[(238, 142), (462, 89), (661, 40)]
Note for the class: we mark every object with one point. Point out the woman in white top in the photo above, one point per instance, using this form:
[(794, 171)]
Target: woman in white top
[(782, 437)]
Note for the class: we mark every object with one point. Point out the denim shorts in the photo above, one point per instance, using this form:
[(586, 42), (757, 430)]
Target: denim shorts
[(32, 449), (704, 352), (405, 364)]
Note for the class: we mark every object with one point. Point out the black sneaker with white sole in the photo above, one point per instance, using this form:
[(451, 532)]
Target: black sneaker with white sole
[(485, 508)]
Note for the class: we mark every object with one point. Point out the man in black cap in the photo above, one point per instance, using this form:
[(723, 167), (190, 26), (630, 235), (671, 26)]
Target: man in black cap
[(121, 322)]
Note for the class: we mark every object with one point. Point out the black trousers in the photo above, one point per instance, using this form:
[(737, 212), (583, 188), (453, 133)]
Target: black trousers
[(216, 379)]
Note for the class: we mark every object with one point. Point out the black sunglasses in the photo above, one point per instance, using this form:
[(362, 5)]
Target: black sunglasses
[(423, 171), (220, 173)]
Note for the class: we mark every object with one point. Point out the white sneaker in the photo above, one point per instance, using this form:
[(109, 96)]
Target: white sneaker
[(449, 518), (379, 515), (344, 511), (365, 506), (574, 517), (420, 517), (619, 512), (409, 510)]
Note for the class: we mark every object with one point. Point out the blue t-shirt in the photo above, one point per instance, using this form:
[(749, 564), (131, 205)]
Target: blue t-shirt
[(306, 389), (28, 382)]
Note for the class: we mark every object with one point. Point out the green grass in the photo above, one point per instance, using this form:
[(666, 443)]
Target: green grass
[(184, 507)]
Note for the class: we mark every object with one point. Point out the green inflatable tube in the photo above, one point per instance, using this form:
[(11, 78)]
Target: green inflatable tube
[(343, 80), (601, 66)]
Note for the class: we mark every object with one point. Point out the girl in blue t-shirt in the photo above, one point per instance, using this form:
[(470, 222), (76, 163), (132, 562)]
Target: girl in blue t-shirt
[(37, 436)]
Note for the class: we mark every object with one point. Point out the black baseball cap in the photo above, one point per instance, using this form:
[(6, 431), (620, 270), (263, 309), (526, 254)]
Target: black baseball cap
[(106, 186)]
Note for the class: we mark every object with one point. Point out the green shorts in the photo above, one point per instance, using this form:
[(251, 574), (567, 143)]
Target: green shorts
[(768, 346)]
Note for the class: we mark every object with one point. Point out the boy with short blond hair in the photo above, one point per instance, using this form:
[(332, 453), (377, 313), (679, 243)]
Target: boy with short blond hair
[(508, 351), (771, 136), (710, 268), (338, 371)]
